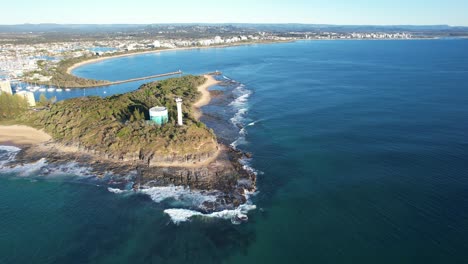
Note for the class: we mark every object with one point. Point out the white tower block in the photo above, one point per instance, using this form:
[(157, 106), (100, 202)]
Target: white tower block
[(179, 111)]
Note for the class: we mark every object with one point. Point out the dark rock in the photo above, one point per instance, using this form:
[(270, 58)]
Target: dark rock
[(225, 175)]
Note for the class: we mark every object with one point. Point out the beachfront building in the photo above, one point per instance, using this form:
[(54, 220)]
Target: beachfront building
[(5, 87), (218, 40), (28, 96), (205, 42), (158, 115), (156, 44), (168, 45)]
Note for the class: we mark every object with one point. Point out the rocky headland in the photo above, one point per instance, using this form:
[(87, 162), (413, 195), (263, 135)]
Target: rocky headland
[(113, 135)]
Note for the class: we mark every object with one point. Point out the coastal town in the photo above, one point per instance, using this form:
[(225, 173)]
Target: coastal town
[(25, 60)]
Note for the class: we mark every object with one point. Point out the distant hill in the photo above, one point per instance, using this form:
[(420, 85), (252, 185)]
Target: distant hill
[(90, 28)]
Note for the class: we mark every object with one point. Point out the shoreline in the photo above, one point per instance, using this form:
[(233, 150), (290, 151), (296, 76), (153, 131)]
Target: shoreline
[(205, 95), (96, 60)]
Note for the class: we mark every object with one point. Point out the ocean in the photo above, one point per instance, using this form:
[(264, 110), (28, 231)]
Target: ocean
[(360, 147)]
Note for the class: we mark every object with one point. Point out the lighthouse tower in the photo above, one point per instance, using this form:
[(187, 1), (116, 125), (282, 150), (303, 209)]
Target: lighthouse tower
[(179, 111)]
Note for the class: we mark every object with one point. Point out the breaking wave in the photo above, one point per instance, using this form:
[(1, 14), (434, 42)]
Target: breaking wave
[(188, 203), (236, 215), (115, 190), (241, 108), (40, 167), (180, 196), (7, 154), (240, 104)]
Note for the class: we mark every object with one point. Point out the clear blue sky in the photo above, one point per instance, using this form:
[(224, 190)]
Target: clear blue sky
[(350, 12)]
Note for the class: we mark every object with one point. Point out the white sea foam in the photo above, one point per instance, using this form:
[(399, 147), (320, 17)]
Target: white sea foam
[(243, 131), (7, 154), (115, 190), (240, 104), (180, 195), (31, 168), (239, 141), (24, 169), (71, 168), (182, 215), (238, 118), (194, 199), (40, 167), (9, 148), (246, 165), (242, 99)]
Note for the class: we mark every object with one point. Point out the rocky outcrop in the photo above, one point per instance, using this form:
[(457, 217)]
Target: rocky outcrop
[(225, 174), (148, 158)]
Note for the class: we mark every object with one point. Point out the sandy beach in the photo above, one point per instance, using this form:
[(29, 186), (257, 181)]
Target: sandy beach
[(22, 135), (205, 98), (71, 68), (79, 64)]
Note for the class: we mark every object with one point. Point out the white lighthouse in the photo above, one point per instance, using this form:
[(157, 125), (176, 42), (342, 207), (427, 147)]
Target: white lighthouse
[(179, 111)]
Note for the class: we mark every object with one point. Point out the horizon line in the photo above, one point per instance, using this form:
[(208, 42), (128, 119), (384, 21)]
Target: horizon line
[(234, 23)]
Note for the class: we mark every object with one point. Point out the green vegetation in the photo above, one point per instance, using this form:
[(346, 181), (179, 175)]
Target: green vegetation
[(11, 106), (116, 126), (44, 102), (60, 76)]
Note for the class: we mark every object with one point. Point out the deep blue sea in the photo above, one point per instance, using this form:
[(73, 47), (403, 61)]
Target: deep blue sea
[(361, 149)]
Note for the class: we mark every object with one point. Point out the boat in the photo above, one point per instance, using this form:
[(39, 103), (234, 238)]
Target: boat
[(42, 89), (51, 89), (58, 90), (67, 89)]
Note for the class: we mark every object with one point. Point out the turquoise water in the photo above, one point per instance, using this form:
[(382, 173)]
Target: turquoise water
[(361, 149)]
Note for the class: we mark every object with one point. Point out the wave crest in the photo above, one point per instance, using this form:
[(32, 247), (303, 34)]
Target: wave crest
[(236, 215)]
